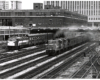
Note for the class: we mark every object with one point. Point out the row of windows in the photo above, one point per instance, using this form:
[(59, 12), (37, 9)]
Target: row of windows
[(12, 32), (30, 13), (19, 13), (39, 14), (18, 20), (76, 16), (38, 37), (50, 23), (63, 2), (72, 4), (44, 13), (94, 18), (90, 12), (5, 14)]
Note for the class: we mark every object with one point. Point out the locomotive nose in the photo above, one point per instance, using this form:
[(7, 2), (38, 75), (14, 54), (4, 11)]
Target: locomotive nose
[(11, 43)]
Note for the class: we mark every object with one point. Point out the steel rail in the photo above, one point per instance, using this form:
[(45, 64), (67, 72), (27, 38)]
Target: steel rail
[(20, 54)]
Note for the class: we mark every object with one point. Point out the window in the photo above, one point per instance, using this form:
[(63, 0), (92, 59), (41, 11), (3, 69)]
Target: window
[(77, 2), (8, 13), (52, 13), (42, 13), (37, 13), (91, 7), (30, 13), (36, 6), (23, 13), (19, 13), (59, 13), (56, 12), (2, 14), (91, 2), (92, 12)]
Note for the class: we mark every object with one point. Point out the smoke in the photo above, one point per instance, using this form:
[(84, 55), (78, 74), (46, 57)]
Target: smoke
[(66, 32), (73, 31)]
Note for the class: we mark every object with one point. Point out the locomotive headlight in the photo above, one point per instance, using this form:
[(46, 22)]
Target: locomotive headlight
[(11, 43)]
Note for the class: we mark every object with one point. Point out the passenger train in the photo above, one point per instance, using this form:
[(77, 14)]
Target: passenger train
[(54, 47), (15, 43)]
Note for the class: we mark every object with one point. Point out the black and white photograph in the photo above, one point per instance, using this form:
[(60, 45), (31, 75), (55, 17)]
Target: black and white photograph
[(49, 39)]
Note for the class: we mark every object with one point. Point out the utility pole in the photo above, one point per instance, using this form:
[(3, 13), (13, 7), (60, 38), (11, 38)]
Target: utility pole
[(9, 31)]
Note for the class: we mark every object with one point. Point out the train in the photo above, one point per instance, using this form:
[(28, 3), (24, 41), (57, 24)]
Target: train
[(54, 47), (17, 42)]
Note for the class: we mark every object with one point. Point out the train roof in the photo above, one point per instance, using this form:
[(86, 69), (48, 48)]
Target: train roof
[(38, 34), (56, 39)]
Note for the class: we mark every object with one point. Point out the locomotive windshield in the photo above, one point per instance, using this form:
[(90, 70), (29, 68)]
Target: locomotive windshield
[(52, 42), (12, 39)]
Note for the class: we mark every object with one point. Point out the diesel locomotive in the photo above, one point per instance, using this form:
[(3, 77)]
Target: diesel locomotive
[(15, 43), (54, 47)]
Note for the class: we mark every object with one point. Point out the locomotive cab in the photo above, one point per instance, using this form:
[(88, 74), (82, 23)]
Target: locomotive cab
[(12, 43), (52, 47)]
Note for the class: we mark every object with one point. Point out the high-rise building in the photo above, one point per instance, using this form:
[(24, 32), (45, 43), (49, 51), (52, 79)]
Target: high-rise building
[(4, 5), (16, 5), (89, 8)]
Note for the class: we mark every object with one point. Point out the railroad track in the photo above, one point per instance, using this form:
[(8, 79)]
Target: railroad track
[(66, 64), (54, 72), (47, 64), (97, 67), (98, 76), (35, 64), (7, 57), (84, 69)]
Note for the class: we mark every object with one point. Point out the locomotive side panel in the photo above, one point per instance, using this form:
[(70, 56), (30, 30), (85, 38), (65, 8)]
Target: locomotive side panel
[(68, 43), (31, 39)]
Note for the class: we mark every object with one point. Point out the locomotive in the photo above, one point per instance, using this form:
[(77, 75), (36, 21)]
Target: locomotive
[(15, 43), (55, 46)]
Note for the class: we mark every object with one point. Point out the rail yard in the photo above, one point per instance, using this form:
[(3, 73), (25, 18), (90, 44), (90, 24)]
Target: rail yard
[(50, 44), (33, 62)]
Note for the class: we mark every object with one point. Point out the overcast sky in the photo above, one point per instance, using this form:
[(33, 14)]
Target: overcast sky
[(28, 4)]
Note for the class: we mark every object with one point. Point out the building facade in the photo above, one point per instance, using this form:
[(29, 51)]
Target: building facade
[(37, 6), (16, 5), (41, 18), (4, 5), (89, 8)]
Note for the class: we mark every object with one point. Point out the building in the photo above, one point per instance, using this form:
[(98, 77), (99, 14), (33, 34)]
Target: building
[(16, 5), (4, 5), (37, 6), (89, 8), (52, 5), (8, 31), (37, 19), (41, 18)]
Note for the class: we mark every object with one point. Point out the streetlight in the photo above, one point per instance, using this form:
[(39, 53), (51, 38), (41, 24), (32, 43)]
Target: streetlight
[(9, 30)]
